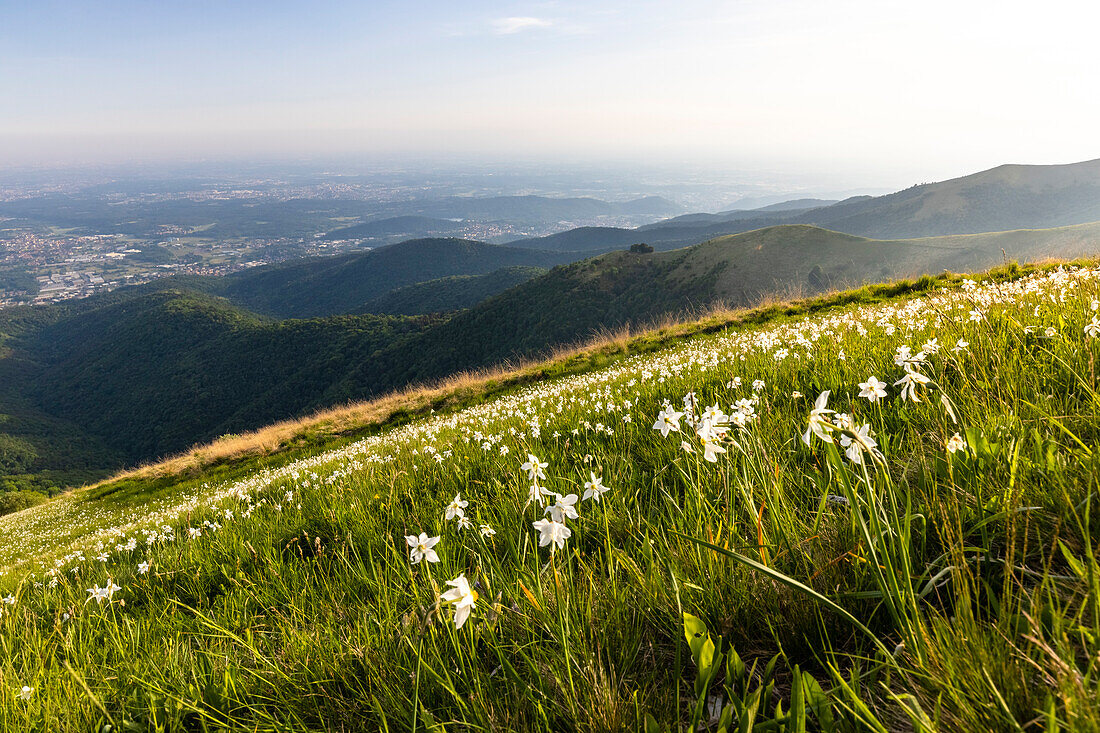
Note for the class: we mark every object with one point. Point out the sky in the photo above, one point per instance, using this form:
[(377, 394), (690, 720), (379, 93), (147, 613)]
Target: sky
[(877, 92)]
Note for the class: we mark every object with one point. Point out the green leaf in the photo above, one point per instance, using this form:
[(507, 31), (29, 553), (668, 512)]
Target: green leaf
[(798, 706), (1074, 563), (818, 701), (705, 662), (735, 670), (695, 632)]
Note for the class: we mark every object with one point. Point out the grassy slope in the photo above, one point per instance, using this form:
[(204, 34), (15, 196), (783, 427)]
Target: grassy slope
[(303, 612), (1001, 198)]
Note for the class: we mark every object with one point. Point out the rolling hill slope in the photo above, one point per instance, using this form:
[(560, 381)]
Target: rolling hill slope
[(623, 288), (344, 284), (1000, 199), (154, 373), (919, 561), (449, 293)]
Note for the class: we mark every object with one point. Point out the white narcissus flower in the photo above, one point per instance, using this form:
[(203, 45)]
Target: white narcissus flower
[(668, 421), (909, 385), (106, 593), (820, 424), (715, 416), (143, 568), (552, 533), (486, 530), (872, 389), (713, 428), (534, 467), (463, 596), (711, 449), (420, 547), (857, 443), (1092, 328), (457, 507), (594, 488), (563, 508), (955, 443), (25, 692), (534, 495)]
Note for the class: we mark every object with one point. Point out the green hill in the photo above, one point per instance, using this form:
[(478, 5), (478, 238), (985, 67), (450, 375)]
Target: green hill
[(575, 301), (1005, 198), (799, 258), (1002, 198), (344, 284), (155, 372), (741, 530), (449, 293)]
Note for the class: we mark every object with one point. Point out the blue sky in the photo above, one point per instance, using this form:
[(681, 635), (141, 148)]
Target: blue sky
[(922, 90)]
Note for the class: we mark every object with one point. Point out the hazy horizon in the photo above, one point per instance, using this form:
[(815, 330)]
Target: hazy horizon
[(857, 94)]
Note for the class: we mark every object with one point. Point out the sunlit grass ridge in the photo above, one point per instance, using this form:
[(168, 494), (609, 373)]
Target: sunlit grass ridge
[(923, 559)]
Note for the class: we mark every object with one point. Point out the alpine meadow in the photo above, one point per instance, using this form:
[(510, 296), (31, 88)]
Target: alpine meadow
[(844, 514), (549, 366)]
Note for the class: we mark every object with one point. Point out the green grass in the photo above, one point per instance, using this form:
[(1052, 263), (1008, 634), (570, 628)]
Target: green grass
[(782, 584)]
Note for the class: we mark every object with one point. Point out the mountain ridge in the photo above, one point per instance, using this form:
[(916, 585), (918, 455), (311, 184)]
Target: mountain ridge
[(1003, 198)]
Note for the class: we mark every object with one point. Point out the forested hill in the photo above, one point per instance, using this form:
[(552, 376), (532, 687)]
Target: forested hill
[(159, 371), (324, 286), (626, 288)]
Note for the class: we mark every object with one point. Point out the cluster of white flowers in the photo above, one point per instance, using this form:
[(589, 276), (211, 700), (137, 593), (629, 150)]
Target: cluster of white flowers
[(94, 534)]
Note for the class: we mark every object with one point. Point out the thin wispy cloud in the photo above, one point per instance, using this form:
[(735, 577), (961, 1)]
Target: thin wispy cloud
[(517, 24)]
